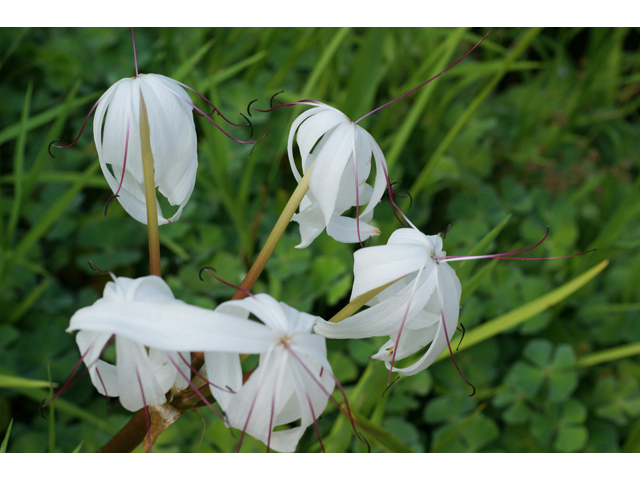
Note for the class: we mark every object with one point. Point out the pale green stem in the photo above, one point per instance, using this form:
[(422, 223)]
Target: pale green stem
[(278, 229), (358, 302), (608, 355), (149, 191)]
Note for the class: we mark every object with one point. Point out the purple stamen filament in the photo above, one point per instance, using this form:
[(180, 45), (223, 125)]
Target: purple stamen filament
[(135, 58), (79, 134), (202, 377), (315, 423), (423, 84), (209, 269)]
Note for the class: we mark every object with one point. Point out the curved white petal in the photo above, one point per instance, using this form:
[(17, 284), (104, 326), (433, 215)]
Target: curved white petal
[(344, 229), (311, 221), (380, 182), (317, 125), (294, 127), (224, 371)]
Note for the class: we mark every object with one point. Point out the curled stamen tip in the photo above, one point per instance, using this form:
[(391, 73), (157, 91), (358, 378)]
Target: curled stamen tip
[(111, 199), (203, 269), (42, 405), (474, 390), (249, 106), (274, 97), (52, 145), (250, 124)]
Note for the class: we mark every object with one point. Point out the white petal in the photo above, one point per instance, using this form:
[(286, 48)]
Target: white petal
[(380, 182), (450, 290), (321, 122), (263, 306), (379, 265), (311, 221), (294, 126), (343, 229), (136, 380), (329, 166), (170, 327), (223, 370), (384, 318)]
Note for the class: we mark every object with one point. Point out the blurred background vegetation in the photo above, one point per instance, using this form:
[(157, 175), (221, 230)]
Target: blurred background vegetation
[(534, 128)]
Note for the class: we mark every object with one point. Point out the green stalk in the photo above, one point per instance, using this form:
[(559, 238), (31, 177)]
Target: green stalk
[(274, 237), (149, 191)]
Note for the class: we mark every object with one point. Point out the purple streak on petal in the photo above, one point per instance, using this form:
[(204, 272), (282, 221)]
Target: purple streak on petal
[(146, 412), (195, 389), (202, 377), (135, 57), (423, 84), (246, 424), (315, 423), (102, 383), (333, 400), (273, 401), (124, 163), (81, 130), (404, 319)]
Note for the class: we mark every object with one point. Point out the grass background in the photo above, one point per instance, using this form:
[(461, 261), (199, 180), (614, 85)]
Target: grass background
[(534, 128)]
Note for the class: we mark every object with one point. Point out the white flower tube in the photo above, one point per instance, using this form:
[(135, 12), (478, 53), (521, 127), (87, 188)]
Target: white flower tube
[(116, 131), (340, 152)]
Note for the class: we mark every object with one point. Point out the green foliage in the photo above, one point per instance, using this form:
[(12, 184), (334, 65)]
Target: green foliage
[(534, 128)]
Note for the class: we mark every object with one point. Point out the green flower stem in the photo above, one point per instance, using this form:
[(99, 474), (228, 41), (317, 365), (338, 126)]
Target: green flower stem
[(274, 237), (149, 191)]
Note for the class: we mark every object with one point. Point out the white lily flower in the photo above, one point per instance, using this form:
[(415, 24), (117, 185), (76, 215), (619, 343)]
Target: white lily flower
[(408, 309), (340, 152), (292, 381), (143, 313), (116, 131)]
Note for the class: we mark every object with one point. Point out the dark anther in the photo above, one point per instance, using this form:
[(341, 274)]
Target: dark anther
[(474, 389), (106, 205), (448, 227), (42, 408), (390, 385), (229, 388), (274, 97), (364, 440), (321, 371), (250, 124), (249, 106), (203, 269), (50, 147), (463, 332), (95, 268), (410, 198)]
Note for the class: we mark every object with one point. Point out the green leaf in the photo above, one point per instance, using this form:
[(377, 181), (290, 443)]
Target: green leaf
[(5, 442)]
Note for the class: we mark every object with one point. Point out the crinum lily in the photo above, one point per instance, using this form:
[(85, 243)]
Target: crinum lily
[(293, 380), (172, 138), (421, 308), (340, 152)]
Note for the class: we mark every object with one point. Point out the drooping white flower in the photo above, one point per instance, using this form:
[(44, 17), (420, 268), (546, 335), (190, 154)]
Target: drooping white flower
[(419, 308), (141, 314), (340, 152), (116, 130), (292, 381)]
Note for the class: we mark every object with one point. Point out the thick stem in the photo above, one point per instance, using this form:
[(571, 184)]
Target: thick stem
[(274, 236), (149, 191), (129, 437)]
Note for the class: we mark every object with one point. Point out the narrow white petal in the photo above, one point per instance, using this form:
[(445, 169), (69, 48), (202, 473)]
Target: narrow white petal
[(315, 127), (171, 327), (380, 182), (343, 229), (223, 370), (311, 221), (294, 127)]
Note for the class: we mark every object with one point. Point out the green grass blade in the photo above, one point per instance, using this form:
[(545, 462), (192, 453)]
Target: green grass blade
[(52, 415), (54, 212), (45, 117), (77, 449), (183, 70), (14, 45), (5, 442), (608, 355), (13, 382), (474, 282), (382, 437), (322, 64), (503, 322), (30, 300), (402, 134), (18, 168), (234, 69), (424, 178)]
